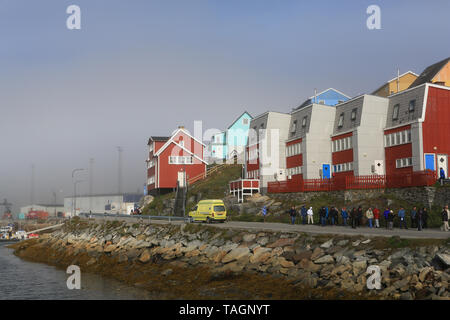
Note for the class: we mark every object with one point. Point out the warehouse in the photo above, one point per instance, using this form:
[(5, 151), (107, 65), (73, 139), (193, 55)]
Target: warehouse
[(102, 203)]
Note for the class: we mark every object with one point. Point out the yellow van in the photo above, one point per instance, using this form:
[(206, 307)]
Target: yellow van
[(209, 211)]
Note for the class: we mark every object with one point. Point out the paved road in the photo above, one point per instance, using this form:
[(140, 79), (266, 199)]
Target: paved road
[(314, 229)]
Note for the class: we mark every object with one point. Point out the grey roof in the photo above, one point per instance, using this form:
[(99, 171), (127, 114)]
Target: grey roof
[(429, 73), (158, 138), (403, 99)]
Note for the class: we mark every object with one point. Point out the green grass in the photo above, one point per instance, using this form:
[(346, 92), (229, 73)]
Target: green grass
[(214, 186)]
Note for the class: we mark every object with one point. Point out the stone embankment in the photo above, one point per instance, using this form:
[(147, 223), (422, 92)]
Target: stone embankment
[(302, 261)]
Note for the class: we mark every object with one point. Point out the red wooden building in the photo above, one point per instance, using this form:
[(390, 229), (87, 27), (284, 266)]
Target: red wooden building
[(417, 135), (171, 156)]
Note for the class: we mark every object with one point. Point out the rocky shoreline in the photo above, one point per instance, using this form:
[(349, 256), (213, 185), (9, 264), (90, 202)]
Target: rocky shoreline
[(194, 261)]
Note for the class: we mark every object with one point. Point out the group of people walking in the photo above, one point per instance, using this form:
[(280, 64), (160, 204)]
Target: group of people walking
[(356, 217)]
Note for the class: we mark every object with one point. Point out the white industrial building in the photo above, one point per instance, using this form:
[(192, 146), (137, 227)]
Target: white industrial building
[(103, 203)]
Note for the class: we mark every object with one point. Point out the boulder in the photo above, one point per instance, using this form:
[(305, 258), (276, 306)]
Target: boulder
[(306, 254), (249, 237), (285, 263), (325, 259), (236, 254), (281, 243), (327, 245), (317, 253), (308, 265), (145, 256), (342, 242), (424, 272), (445, 258), (109, 248), (260, 254)]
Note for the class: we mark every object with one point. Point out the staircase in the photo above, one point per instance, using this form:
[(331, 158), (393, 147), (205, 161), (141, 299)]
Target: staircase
[(180, 201), (206, 174)]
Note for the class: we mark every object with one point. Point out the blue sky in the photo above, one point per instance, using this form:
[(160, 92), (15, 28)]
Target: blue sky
[(141, 68)]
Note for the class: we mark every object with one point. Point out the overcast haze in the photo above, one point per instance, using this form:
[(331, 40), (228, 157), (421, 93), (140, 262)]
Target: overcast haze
[(141, 68)]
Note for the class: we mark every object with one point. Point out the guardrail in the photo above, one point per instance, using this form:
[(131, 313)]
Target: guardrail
[(137, 217)]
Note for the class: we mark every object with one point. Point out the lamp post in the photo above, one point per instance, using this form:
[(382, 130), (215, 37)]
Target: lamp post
[(74, 202)]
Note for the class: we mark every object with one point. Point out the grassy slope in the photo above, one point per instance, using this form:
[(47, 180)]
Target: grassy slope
[(214, 186)]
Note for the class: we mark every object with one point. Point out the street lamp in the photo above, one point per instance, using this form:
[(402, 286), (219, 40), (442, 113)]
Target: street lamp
[(74, 202)]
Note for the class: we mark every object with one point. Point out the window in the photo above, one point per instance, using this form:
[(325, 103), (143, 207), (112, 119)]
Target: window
[(354, 114), (294, 126), (181, 143), (341, 120), (180, 160), (151, 180), (293, 149), (404, 162), (304, 121), (245, 121), (395, 113), (412, 105), (262, 125), (342, 167), (294, 171)]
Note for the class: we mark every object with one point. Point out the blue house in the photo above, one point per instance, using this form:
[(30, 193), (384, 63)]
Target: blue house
[(329, 97), (230, 144)]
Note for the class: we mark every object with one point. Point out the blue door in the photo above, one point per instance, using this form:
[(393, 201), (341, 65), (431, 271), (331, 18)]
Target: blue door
[(429, 162), (326, 171)]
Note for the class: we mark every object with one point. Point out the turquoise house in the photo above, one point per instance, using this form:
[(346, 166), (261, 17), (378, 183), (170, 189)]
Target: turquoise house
[(230, 144)]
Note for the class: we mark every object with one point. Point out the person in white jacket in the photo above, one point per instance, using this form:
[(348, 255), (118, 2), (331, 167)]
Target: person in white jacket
[(310, 215)]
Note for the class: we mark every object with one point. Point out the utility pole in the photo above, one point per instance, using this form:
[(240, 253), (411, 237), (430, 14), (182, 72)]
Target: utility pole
[(119, 169), (74, 202)]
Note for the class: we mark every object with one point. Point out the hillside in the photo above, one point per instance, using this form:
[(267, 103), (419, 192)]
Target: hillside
[(215, 186)]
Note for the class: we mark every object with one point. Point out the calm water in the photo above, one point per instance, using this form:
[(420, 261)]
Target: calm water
[(20, 279)]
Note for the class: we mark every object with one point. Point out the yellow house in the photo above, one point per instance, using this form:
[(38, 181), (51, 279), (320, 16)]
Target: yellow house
[(400, 83), (438, 73)]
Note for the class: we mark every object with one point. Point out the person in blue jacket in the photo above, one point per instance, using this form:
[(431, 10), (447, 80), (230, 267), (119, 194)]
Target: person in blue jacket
[(304, 213), (344, 215), (442, 173)]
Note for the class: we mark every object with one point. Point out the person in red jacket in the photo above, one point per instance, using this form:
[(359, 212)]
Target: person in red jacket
[(376, 216)]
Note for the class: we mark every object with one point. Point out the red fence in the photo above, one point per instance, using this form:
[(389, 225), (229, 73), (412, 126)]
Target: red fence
[(415, 179)]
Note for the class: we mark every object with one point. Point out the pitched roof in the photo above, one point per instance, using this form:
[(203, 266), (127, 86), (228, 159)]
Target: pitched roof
[(403, 74), (158, 138), (308, 101), (172, 141), (429, 73), (245, 112)]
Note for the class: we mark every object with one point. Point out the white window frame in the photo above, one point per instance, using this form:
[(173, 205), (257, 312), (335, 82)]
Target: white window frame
[(396, 111)]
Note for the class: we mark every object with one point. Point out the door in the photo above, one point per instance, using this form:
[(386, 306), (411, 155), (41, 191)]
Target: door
[(326, 171), (442, 163), (429, 162)]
